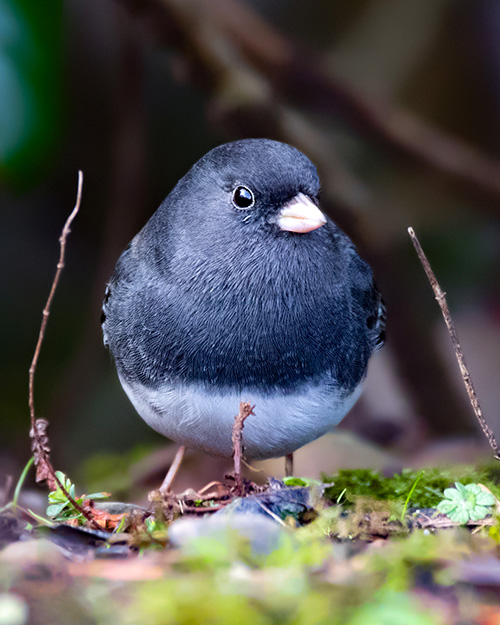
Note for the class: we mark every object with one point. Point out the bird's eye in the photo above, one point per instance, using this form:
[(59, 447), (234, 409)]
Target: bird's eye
[(243, 197)]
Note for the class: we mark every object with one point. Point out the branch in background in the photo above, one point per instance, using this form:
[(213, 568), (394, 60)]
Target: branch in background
[(38, 431), (125, 193), (301, 78), (441, 299)]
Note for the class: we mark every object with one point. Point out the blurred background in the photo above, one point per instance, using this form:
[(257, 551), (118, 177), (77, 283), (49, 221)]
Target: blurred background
[(396, 101)]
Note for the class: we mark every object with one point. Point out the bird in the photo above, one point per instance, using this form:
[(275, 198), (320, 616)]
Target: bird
[(240, 288)]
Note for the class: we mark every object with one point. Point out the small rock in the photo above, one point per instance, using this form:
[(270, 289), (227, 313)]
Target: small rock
[(263, 534), (279, 503)]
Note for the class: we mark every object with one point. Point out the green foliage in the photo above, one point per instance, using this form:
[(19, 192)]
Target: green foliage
[(466, 502), (409, 496), (153, 535), (60, 507), (392, 608), (403, 560), (30, 84), (427, 489), (19, 485), (217, 581), (300, 481), (306, 579)]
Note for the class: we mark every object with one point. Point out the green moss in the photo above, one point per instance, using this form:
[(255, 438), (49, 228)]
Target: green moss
[(427, 493)]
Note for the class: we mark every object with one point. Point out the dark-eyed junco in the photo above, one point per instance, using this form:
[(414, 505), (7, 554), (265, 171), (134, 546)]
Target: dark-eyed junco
[(239, 288)]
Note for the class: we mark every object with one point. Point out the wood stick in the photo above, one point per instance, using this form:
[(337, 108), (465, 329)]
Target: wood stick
[(246, 409), (441, 299), (38, 433)]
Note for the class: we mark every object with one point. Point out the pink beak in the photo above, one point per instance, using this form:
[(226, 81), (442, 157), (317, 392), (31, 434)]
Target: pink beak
[(300, 215)]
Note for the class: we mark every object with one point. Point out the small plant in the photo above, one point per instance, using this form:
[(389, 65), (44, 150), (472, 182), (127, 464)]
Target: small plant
[(61, 509), (300, 481), (464, 503), (408, 498)]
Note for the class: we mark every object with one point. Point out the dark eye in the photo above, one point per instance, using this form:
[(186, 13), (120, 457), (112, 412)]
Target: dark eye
[(243, 197)]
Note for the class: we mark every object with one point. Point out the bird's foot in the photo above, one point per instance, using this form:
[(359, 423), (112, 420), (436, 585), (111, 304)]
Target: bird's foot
[(172, 472)]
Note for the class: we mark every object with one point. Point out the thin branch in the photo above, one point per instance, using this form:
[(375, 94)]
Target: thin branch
[(38, 434), (46, 310), (441, 299), (246, 409)]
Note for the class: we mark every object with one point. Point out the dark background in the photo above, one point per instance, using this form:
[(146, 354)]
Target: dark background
[(396, 101)]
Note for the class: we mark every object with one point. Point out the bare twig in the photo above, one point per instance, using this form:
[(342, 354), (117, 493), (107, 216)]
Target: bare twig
[(441, 299), (246, 409), (249, 466), (172, 472), (38, 431), (271, 513)]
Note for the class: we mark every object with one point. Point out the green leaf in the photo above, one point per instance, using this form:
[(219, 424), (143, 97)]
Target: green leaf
[(55, 510), (459, 515), (479, 513), (473, 488), (453, 495), (98, 496), (294, 481), (446, 506), (40, 519), (485, 499), (461, 489), (61, 477), (57, 496)]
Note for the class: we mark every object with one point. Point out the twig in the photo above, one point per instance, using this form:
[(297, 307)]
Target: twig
[(249, 466), (40, 441), (246, 409), (441, 299), (271, 513)]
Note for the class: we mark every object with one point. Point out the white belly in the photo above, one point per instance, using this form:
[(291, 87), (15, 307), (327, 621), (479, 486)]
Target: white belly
[(203, 420)]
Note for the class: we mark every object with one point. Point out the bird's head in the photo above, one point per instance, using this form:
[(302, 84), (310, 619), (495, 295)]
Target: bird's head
[(258, 183)]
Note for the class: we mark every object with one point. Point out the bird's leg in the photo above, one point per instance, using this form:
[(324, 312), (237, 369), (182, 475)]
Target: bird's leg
[(172, 472), (289, 465)]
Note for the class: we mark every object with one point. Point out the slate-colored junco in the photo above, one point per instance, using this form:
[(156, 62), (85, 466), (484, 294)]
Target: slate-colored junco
[(239, 288)]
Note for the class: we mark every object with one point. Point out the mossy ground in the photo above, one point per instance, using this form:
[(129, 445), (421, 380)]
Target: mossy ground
[(356, 563)]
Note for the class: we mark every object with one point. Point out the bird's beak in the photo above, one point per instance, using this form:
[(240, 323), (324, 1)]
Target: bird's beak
[(300, 215)]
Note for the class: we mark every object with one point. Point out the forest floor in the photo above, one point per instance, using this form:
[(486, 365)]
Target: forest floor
[(358, 547)]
